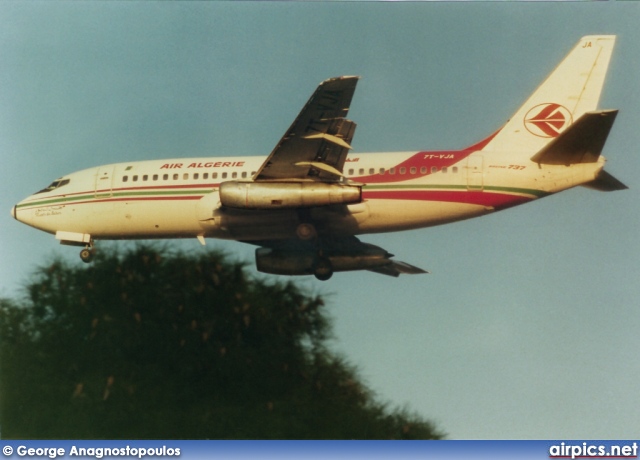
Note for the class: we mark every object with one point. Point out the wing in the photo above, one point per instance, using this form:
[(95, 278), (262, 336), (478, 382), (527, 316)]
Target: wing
[(316, 145), (298, 257)]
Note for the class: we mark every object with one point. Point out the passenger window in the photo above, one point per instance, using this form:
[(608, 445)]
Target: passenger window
[(214, 175), (155, 177), (175, 176), (351, 172), (434, 169), (444, 169), (224, 175), (244, 174), (165, 177), (145, 177), (403, 170), (196, 176), (361, 171), (413, 170), (372, 171), (125, 178), (392, 171), (454, 170), (234, 175), (185, 176), (423, 170), (381, 171), (205, 176), (135, 178)]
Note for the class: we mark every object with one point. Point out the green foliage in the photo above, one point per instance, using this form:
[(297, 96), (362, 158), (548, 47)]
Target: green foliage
[(154, 345)]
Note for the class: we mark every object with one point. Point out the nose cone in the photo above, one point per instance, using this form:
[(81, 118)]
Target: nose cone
[(13, 212)]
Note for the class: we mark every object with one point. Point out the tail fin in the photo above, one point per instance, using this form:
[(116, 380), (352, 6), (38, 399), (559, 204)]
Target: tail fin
[(571, 90)]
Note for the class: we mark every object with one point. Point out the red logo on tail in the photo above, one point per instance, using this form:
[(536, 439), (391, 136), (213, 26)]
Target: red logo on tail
[(547, 120)]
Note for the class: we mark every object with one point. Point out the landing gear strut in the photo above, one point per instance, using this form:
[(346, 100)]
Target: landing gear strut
[(87, 253)]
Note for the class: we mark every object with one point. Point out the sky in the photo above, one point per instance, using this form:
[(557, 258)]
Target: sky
[(527, 326)]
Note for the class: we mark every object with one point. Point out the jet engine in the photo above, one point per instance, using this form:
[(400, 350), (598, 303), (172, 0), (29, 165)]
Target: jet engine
[(289, 262), (280, 195)]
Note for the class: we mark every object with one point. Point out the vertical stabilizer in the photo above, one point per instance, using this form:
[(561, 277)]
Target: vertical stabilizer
[(571, 90)]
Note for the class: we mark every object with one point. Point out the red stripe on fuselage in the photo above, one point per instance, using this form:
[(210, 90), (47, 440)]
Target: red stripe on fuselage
[(481, 198)]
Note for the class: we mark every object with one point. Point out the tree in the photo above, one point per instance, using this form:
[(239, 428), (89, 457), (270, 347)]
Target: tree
[(147, 344)]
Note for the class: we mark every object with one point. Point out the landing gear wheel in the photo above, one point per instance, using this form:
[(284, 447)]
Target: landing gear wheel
[(306, 231), (322, 269), (86, 255)]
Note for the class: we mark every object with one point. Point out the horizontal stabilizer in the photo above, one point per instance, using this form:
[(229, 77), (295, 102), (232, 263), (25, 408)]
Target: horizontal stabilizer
[(605, 182), (582, 142), (397, 268)]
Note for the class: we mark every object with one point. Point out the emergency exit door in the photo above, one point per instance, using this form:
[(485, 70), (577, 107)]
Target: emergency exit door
[(475, 168)]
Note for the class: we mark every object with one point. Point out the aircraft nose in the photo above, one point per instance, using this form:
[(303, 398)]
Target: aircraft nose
[(13, 212)]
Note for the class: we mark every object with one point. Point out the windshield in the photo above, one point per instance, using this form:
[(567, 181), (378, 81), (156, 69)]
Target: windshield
[(54, 185)]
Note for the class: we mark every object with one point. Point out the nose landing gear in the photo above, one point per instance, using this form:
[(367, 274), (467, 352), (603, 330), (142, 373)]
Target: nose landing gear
[(87, 253), (78, 239)]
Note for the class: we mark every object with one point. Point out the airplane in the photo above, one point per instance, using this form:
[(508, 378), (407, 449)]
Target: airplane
[(305, 205)]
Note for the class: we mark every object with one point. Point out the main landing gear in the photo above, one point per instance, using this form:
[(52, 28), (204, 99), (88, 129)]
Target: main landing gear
[(322, 268)]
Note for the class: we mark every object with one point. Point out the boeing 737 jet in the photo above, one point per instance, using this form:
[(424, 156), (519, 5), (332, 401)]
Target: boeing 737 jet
[(305, 204)]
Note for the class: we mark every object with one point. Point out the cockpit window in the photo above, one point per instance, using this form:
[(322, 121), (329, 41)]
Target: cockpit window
[(54, 185)]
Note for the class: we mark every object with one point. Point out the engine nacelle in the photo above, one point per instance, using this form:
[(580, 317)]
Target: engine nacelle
[(280, 195), (281, 262)]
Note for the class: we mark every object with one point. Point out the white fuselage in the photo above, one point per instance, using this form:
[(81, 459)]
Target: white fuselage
[(179, 198)]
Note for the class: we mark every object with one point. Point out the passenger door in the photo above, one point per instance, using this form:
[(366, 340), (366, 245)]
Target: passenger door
[(104, 181)]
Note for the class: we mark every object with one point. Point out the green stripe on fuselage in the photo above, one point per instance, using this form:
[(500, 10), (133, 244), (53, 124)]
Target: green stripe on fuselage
[(90, 197)]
